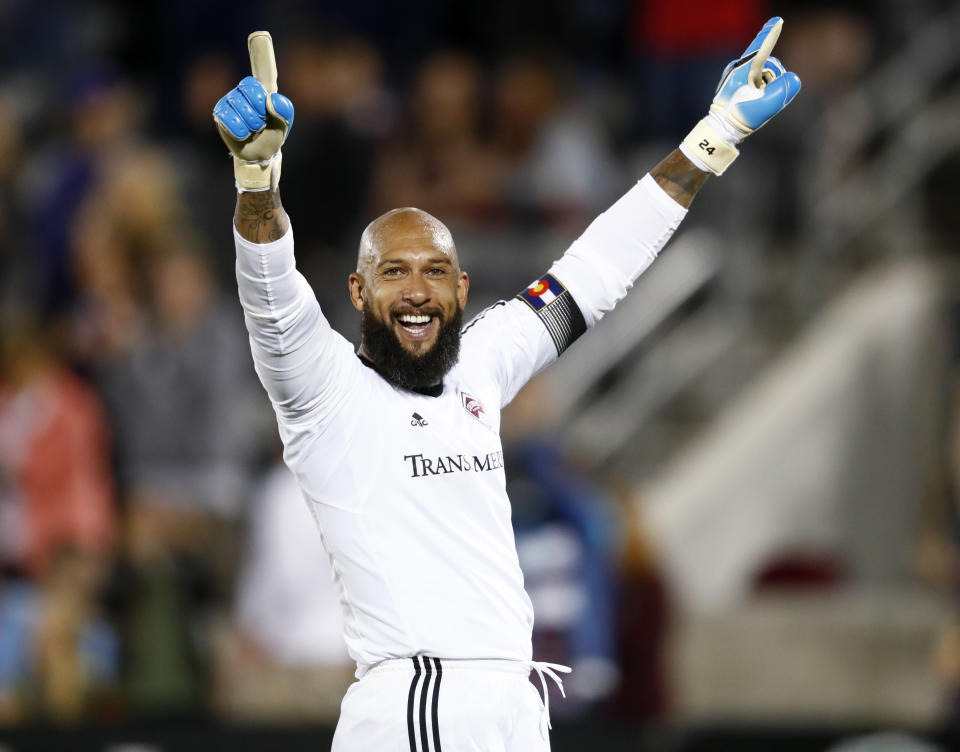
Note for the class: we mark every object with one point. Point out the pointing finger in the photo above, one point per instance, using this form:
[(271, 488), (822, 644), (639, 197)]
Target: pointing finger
[(760, 59), (263, 63), (757, 41)]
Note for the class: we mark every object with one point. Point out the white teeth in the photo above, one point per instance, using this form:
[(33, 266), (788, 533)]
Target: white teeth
[(414, 319)]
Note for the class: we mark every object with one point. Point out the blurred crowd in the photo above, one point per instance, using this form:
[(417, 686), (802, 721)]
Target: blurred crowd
[(155, 558)]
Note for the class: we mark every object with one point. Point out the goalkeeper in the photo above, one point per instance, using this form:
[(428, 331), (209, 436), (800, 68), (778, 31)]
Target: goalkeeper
[(396, 446)]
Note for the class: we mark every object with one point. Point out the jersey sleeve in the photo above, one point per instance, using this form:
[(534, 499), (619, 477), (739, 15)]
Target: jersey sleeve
[(518, 338), (303, 364)]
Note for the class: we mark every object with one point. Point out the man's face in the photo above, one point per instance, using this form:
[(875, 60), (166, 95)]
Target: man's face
[(410, 282)]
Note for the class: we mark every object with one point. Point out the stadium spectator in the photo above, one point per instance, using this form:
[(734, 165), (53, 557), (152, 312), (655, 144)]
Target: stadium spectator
[(557, 166), (57, 532), (180, 394), (56, 488), (568, 542), (438, 161), (188, 438), (102, 115), (286, 658)]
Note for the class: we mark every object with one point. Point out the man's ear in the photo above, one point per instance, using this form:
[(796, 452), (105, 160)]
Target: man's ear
[(355, 284), (463, 287)]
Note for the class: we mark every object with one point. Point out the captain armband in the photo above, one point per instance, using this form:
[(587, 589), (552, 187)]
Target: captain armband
[(556, 308)]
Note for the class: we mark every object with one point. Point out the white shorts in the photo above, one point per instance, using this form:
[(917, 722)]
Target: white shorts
[(425, 704)]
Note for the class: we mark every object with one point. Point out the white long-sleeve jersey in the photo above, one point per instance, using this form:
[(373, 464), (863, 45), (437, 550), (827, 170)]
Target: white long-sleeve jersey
[(408, 490)]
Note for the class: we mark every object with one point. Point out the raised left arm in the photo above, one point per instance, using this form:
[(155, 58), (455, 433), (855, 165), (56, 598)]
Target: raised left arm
[(602, 264)]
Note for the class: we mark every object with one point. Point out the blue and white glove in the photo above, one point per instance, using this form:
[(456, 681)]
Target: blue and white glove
[(751, 91), (254, 120)]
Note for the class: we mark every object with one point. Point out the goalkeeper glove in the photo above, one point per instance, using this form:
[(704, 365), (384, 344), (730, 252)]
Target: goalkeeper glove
[(254, 120), (751, 91)]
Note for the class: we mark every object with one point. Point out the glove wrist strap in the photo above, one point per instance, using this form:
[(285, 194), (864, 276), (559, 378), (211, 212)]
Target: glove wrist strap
[(707, 149), (252, 177), (725, 126)]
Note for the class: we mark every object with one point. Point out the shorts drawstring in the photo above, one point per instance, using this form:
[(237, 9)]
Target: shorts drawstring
[(541, 667)]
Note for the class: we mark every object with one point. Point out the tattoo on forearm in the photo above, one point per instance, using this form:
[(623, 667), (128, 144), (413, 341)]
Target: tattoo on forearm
[(260, 217), (679, 177)]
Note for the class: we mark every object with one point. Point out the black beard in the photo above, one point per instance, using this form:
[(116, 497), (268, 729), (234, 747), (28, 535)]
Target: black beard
[(399, 366)]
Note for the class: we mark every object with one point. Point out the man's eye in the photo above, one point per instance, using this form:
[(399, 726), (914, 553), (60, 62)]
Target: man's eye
[(393, 271), (437, 271)]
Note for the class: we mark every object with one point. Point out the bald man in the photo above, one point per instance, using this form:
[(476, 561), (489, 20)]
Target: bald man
[(396, 447)]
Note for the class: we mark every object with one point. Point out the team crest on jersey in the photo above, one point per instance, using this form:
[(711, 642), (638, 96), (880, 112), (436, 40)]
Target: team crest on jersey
[(472, 405)]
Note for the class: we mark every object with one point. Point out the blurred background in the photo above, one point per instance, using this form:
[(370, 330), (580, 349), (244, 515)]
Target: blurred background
[(735, 502)]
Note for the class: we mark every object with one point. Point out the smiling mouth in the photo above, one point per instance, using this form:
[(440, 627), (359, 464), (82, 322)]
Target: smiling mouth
[(417, 326)]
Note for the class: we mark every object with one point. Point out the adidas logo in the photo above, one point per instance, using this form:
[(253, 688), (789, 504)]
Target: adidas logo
[(418, 420)]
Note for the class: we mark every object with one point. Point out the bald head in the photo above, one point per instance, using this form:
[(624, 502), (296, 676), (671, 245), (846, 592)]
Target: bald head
[(407, 228), (411, 293)]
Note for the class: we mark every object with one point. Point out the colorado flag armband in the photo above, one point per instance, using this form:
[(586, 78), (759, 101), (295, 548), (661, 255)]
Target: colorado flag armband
[(556, 308)]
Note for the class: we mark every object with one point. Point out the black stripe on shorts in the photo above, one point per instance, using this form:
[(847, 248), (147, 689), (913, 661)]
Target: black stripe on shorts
[(413, 691), (424, 744), (436, 700)]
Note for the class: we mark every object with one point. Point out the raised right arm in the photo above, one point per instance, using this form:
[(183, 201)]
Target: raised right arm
[(303, 364)]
